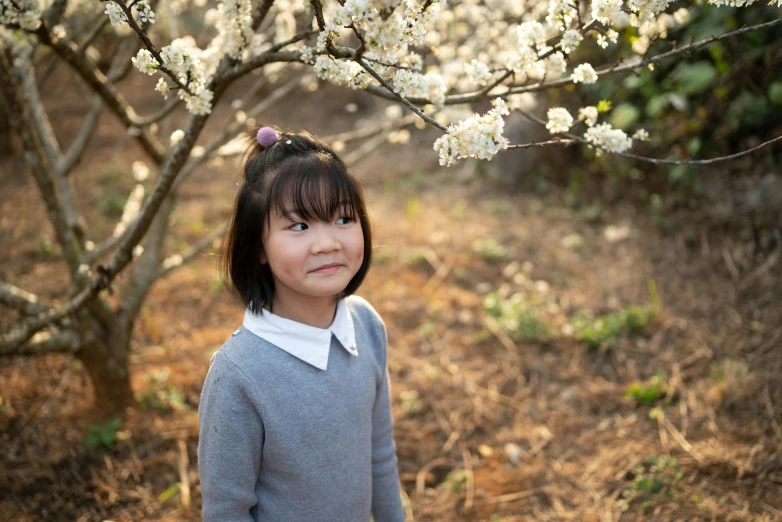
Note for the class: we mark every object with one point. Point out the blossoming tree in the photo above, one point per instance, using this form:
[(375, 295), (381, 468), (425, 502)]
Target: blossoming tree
[(424, 54)]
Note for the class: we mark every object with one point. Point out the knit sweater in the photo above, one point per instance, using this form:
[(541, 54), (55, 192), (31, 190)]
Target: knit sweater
[(281, 440)]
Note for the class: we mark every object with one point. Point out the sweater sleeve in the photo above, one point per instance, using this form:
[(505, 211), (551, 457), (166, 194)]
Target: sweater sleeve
[(386, 497), (230, 443)]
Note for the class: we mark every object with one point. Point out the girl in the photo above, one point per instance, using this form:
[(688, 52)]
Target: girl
[(295, 418)]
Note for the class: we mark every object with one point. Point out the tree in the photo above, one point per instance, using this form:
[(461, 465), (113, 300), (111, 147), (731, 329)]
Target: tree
[(422, 54)]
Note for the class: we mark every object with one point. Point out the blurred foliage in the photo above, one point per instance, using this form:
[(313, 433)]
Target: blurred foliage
[(715, 101)]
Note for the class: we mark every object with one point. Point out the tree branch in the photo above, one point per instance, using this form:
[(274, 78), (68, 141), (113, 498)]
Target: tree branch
[(21, 300), (66, 341), (192, 252), (67, 50)]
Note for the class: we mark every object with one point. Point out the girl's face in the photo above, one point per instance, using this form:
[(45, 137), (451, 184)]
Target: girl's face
[(296, 249)]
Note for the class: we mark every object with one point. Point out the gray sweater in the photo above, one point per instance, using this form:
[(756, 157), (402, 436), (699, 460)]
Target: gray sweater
[(281, 440)]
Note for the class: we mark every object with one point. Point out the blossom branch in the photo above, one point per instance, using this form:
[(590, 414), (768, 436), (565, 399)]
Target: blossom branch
[(142, 34), (399, 97)]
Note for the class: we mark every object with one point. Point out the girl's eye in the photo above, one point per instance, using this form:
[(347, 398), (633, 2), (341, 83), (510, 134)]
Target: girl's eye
[(299, 229), (347, 219)]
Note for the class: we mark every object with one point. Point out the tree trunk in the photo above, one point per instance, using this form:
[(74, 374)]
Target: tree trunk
[(6, 133), (106, 362)]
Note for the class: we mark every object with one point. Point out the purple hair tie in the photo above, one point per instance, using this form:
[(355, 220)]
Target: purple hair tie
[(267, 136)]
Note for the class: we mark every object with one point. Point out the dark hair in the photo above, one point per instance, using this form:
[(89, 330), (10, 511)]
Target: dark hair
[(298, 171)]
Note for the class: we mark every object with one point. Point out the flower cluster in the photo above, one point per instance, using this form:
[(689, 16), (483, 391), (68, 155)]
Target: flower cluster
[(24, 13), (559, 120), (145, 62), (607, 138), (588, 114), (145, 12), (476, 137), (234, 25), (584, 73), (116, 14), (342, 72)]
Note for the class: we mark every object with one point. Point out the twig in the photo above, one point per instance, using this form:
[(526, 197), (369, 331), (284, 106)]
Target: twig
[(467, 456)]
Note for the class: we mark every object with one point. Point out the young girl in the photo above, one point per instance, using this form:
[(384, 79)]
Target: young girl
[(295, 417)]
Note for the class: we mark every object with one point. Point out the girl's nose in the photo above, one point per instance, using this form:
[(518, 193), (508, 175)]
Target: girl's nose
[(325, 241)]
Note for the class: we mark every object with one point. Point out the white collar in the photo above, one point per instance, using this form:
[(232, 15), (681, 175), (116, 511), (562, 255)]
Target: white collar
[(308, 343)]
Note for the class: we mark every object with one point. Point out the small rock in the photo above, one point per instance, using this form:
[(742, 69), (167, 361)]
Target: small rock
[(513, 451)]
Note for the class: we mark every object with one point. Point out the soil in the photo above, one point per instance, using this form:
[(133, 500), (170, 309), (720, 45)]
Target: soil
[(489, 426)]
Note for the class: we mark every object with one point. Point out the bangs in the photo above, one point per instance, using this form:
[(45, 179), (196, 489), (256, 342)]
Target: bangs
[(314, 188)]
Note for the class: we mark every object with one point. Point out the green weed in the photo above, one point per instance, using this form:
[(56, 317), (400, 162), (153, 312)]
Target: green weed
[(381, 254), (103, 436), (414, 256), (516, 317), (648, 394), (604, 332), (655, 479), (489, 249), (162, 396)]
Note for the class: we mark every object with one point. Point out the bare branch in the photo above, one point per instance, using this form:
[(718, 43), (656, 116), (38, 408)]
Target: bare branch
[(260, 12), (38, 114), (192, 252), (696, 162), (21, 300), (47, 342), (34, 155), (230, 131), (68, 51), (80, 143), (145, 268), (558, 141)]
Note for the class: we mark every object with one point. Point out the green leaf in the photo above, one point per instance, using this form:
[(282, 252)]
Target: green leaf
[(694, 78), (624, 116), (604, 106), (657, 105), (170, 492), (775, 93)]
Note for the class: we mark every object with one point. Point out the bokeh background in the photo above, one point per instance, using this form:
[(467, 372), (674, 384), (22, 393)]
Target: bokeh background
[(571, 337)]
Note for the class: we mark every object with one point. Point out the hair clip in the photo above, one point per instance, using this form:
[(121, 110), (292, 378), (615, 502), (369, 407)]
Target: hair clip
[(267, 136)]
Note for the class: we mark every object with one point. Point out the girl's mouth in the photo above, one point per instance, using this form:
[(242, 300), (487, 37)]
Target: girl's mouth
[(328, 269)]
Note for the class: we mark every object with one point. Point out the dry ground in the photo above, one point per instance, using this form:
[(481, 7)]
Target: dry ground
[(489, 427)]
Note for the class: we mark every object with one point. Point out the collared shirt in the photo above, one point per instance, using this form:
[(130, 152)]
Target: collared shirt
[(308, 343)]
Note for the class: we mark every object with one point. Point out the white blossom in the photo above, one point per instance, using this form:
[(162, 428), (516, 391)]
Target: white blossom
[(145, 12), (163, 88), (406, 81), (588, 114), (307, 55), (607, 138), (145, 62), (177, 136), (140, 171), (478, 72), (25, 13), (559, 120), (531, 33), (476, 137), (116, 14), (641, 135), (570, 40), (584, 73)]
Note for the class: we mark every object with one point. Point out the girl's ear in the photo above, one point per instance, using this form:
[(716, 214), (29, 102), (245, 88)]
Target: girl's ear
[(262, 259)]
